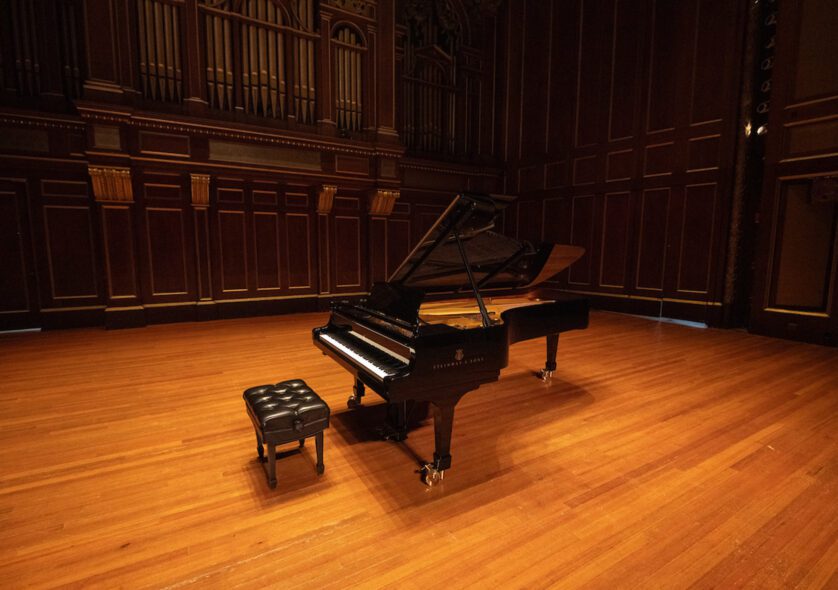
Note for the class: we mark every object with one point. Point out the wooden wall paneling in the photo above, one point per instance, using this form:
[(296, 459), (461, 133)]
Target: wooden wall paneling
[(101, 42), (530, 218), (626, 48), (695, 257), (14, 288), (298, 246), (665, 71), (232, 259), (802, 265), (385, 80), (18, 295), (487, 115), (203, 250), (515, 35), (713, 52), (535, 72), (594, 37), (71, 253), (671, 240), (267, 240), (563, 76), (233, 251), (113, 190), (348, 249), (791, 299), (616, 218), (168, 233), (425, 215), (398, 243), (378, 242), (812, 23), (652, 239), (583, 211), (200, 193), (120, 258), (166, 243), (268, 205), (324, 253), (500, 75), (558, 217)]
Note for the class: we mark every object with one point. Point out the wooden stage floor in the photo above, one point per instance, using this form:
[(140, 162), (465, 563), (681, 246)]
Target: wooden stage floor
[(661, 456)]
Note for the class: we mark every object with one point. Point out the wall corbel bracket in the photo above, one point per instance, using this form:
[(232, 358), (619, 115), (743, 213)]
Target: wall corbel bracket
[(200, 190), (382, 201), (326, 198), (111, 184)]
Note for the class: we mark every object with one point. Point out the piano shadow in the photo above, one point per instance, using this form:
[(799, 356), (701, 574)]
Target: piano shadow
[(486, 423)]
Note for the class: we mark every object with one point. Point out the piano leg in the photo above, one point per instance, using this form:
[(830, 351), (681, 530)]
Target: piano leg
[(357, 393), (552, 348), (443, 426)]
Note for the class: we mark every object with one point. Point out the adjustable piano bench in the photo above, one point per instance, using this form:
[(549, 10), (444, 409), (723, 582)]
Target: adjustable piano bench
[(286, 412)]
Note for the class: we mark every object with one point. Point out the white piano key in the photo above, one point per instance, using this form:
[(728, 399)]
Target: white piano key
[(366, 363)]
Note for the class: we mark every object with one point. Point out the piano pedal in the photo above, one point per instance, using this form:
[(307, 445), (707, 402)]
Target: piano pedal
[(545, 375), (431, 475), (387, 432), (353, 402)]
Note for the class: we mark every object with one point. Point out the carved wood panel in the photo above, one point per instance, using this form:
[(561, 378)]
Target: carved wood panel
[(347, 231), (641, 121), (15, 264), (797, 269), (166, 243)]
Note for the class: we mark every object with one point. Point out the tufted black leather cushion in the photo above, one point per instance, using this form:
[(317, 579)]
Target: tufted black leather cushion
[(289, 406)]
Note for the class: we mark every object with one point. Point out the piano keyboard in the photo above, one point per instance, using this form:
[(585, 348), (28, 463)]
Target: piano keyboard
[(370, 355)]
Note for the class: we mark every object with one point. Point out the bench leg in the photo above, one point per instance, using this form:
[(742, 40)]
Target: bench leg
[(302, 442), (318, 439), (259, 448), (272, 465)]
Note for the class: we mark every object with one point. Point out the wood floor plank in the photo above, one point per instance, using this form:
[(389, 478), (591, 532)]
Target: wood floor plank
[(659, 456)]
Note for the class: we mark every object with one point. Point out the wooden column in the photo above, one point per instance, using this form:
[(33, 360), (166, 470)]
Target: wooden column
[(381, 202), (205, 307), (325, 202), (385, 69), (113, 192), (194, 76), (325, 77), (103, 46)]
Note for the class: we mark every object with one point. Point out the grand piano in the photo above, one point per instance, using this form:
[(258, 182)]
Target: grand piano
[(412, 351)]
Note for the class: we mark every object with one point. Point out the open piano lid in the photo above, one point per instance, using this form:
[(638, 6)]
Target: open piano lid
[(496, 261)]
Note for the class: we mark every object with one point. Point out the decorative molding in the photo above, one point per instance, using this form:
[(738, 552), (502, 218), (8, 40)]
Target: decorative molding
[(111, 184), (326, 198), (204, 130), (42, 122), (489, 7), (200, 189), (364, 8), (451, 169), (382, 201), (218, 130)]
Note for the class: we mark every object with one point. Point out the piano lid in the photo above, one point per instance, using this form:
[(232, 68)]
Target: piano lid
[(496, 261)]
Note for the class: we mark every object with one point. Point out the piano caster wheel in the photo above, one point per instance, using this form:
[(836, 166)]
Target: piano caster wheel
[(432, 476), (353, 402), (545, 375)]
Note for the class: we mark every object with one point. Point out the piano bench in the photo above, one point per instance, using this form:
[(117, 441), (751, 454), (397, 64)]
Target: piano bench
[(283, 413)]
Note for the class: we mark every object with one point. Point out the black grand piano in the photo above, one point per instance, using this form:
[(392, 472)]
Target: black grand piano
[(411, 351)]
